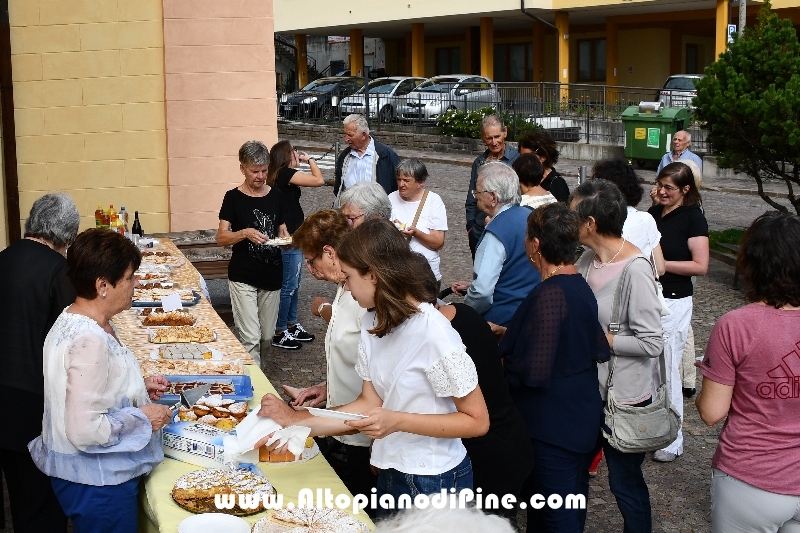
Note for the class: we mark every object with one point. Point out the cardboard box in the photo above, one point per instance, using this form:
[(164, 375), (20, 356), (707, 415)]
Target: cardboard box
[(199, 444)]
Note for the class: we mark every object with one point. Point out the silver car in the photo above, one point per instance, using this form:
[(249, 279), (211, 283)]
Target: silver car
[(436, 95), (384, 94), (679, 90)]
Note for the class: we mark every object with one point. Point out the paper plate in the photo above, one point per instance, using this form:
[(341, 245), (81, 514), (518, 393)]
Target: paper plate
[(337, 415), (203, 523)]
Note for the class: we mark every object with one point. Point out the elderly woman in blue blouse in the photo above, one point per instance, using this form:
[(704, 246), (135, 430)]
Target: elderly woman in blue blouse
[(100, 431), (502, 276)]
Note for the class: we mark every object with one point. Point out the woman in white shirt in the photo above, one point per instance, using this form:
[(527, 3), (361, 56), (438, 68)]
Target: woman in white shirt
[(420, 388), (418, 213)]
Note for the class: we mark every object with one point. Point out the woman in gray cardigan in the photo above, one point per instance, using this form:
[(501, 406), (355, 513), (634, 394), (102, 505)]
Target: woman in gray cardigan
[(602, 210)]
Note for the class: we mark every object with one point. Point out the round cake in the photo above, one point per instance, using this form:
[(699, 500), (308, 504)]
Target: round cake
[(310, 520), (195, 491)]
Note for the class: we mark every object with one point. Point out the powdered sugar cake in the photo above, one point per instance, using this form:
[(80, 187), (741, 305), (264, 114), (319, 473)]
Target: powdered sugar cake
[(195, 491), (310, 520)]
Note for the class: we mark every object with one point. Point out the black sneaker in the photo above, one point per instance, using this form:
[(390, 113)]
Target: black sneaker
[(300, 334), (285, 340)]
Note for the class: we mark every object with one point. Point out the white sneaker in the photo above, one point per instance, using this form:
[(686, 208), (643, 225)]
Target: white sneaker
[(663, 456)]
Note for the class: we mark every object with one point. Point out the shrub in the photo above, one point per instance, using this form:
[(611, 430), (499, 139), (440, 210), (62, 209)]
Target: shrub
[(458, 123)]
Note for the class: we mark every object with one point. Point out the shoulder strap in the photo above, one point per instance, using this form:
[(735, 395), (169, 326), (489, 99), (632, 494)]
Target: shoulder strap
[(613, 326), (419, 208)]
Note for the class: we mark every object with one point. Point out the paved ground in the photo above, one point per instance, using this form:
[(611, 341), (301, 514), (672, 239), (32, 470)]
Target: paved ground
[(680, 490)]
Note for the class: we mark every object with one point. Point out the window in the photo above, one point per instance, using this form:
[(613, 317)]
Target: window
[(691, 59), (513, 62), (592, 60), (448, 60)]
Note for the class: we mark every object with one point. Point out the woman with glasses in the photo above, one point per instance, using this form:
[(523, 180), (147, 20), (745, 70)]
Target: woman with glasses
[(363, 201), (684, 242), (282, 171), (544, 146)]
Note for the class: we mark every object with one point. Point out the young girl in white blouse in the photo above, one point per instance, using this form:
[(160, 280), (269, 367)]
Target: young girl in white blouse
[(420, 389)]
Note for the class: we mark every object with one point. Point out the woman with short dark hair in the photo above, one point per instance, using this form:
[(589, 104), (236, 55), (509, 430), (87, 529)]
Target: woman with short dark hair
[(612, 263), (100, 431), (544, 146), (684, 241), (530, 172), (550, 350), (35, 291), (749, 376)]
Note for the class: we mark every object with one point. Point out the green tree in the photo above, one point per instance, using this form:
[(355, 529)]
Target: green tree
[(750, 103)]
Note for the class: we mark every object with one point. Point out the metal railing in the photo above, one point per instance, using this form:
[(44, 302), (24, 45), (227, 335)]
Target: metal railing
[(571, 112)]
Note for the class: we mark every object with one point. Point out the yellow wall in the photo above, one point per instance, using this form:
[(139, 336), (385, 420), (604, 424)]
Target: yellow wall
[(647, 52), (89, 104)]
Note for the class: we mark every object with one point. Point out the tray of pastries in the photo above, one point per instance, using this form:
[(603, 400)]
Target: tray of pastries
[(152, 297), (310, 520), (169, 367), (237, 388), (159, 318), (214, 410), (174, 334), (157, 284), (196, 490), (187, 351), (172, 261)]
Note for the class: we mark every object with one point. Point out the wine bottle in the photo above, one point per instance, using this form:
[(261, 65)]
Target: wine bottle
[(137, 226)]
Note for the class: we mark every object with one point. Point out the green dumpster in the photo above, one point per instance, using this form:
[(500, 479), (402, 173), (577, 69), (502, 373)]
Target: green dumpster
[(649, 129)]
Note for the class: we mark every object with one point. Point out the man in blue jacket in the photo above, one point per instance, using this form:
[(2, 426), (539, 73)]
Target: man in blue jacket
[(364, 159)]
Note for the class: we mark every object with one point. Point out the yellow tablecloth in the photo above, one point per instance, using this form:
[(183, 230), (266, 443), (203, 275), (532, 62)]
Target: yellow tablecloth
[(158, 513)]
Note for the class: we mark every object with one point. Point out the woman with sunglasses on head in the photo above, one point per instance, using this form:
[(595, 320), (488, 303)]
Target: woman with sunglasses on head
[(684, 243), (544, 146), (282, 171)]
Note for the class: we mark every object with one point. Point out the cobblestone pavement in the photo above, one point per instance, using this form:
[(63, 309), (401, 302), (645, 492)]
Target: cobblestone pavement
[(679, 490)]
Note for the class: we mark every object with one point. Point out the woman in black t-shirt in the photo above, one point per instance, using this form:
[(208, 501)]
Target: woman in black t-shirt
[(286, 178), (252, 214), (684, 242)]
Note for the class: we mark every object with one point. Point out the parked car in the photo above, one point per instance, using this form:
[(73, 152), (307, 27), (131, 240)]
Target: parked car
[(679, 90), (384, 94), (436, 95), (319, 99)]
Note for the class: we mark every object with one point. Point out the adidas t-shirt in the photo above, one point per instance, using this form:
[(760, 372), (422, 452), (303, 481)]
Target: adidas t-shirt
[(756, 349)]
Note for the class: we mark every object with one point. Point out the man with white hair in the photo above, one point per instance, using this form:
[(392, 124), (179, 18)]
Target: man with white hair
[(680, 151), (364, 159), (502, 275)]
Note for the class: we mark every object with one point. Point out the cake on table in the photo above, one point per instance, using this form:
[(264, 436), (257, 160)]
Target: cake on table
[(310, 520)]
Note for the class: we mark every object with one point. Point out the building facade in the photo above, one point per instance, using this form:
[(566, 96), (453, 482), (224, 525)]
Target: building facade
[(632, 43), (136, 103)]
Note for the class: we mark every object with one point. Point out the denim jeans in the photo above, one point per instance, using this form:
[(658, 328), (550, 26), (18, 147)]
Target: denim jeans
[(626, 480), (290, 288), (396, 483), (556, 471)]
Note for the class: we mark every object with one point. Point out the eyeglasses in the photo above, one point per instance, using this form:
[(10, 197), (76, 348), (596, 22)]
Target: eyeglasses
[(310, 262), (669, 188), (352, 220), (476, 192)]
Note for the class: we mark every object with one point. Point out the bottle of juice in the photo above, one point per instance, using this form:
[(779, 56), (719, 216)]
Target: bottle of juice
[(98, 216), (117, 225), (110, 213)]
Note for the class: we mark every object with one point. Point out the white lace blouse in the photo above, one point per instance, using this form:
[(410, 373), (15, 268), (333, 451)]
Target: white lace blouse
[(417, 368), (93, 431)]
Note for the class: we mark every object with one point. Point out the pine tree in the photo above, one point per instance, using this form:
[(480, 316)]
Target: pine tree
[(749, 100)]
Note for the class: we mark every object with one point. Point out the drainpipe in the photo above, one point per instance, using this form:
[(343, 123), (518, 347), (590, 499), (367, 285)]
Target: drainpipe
[(9, 128), (537, 19)]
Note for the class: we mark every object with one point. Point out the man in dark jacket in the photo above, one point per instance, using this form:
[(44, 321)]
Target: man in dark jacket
[(364, 159)]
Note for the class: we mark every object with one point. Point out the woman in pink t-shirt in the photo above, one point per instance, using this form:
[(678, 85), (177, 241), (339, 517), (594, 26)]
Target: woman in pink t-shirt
[(751, 374)]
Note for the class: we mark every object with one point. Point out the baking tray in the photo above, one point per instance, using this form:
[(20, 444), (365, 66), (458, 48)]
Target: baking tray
[(243, 387), (158, 304)]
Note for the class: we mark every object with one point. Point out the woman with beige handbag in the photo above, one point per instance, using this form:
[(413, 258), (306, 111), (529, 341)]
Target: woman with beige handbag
[(635, 339)]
